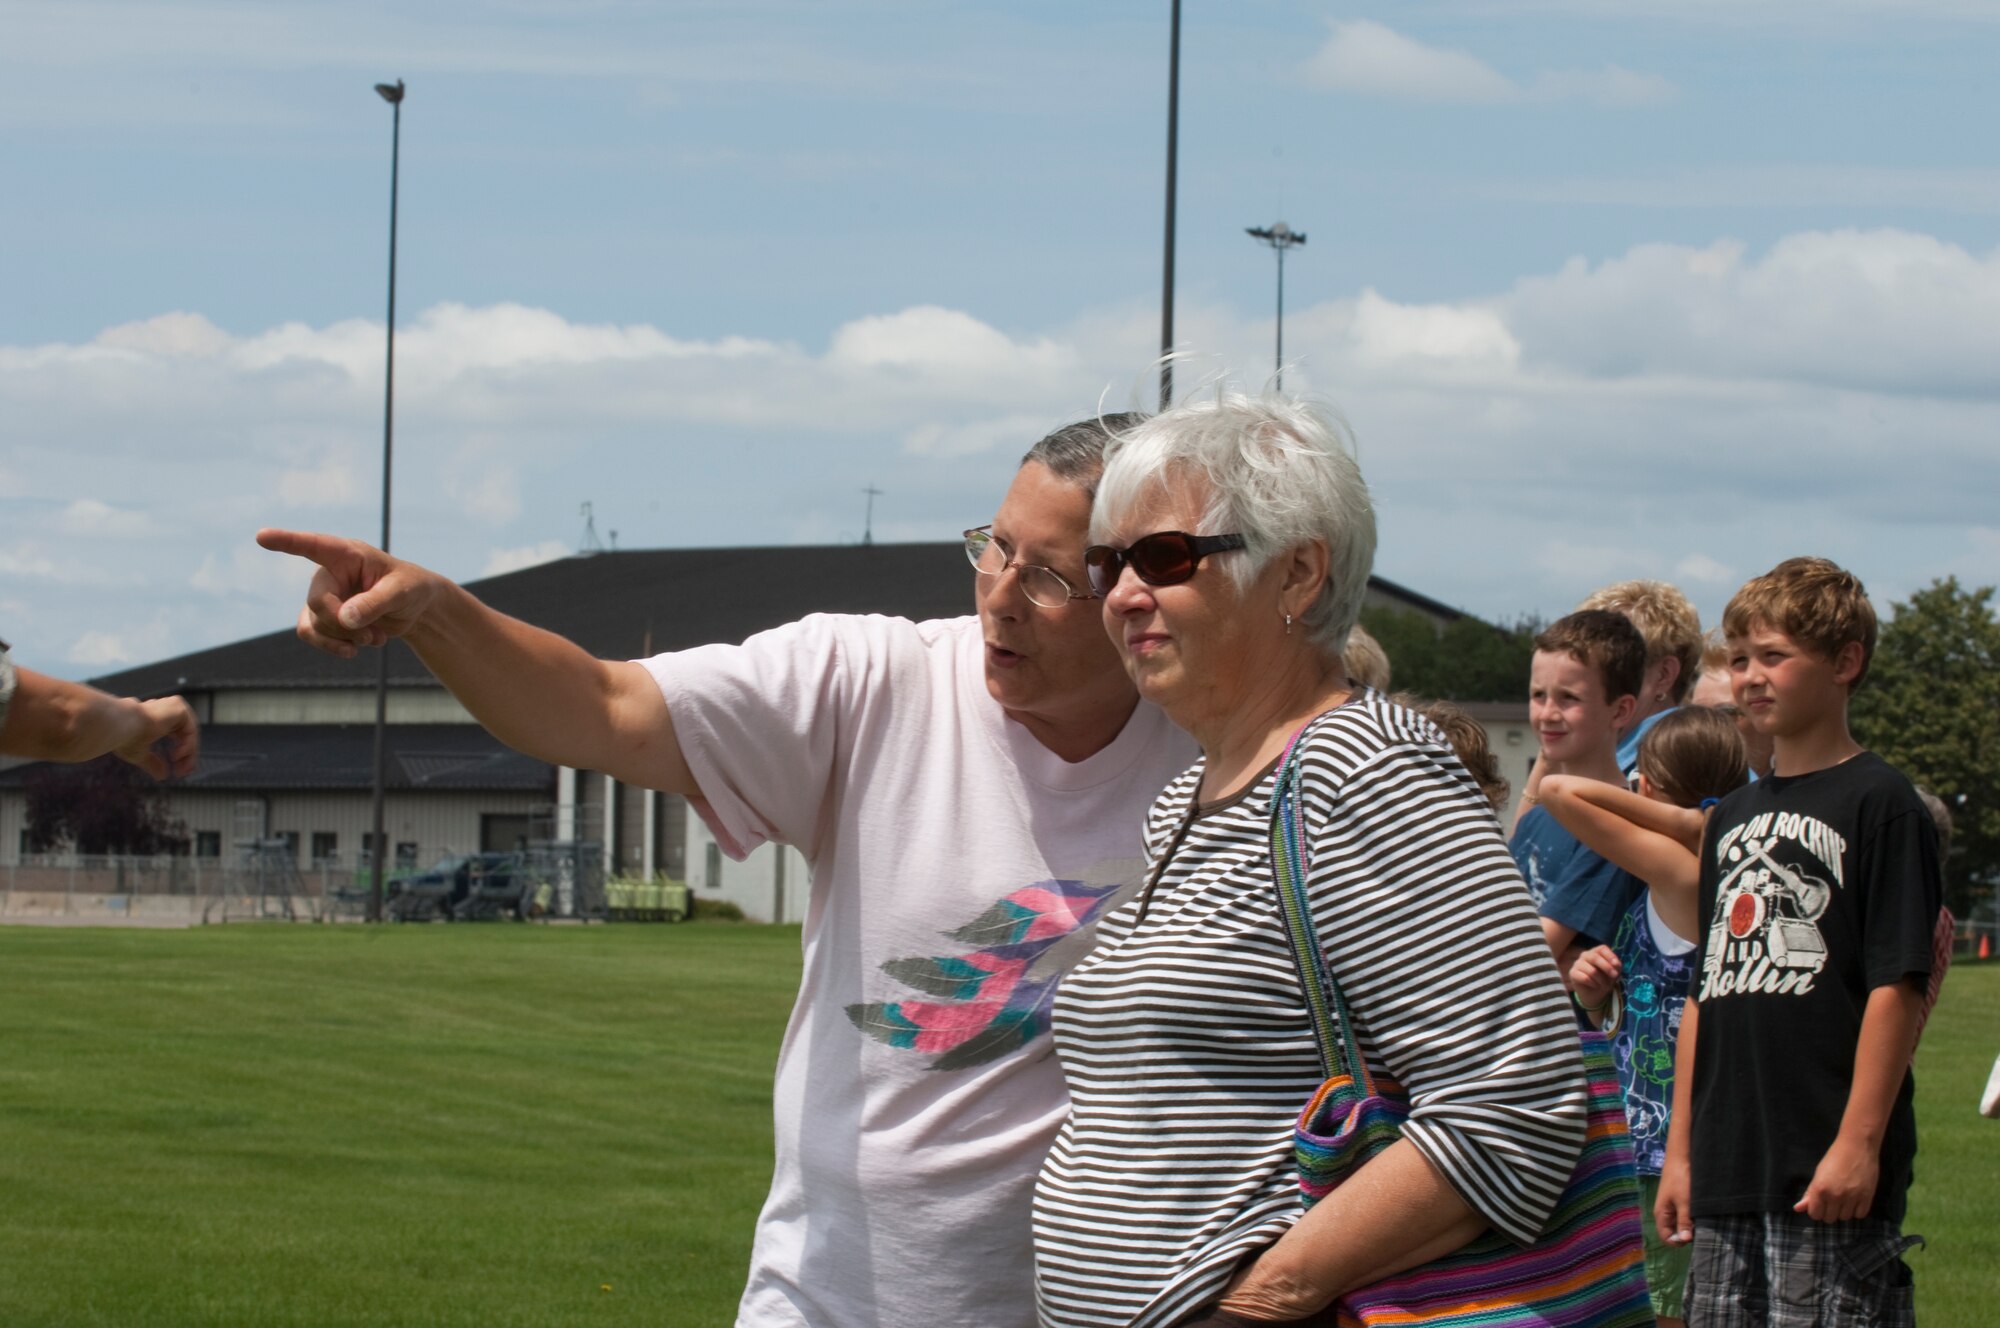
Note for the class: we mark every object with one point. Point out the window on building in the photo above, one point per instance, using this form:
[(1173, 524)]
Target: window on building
[(326, 847), (208, 843), (713, 879), (406, 855), (291, 838)]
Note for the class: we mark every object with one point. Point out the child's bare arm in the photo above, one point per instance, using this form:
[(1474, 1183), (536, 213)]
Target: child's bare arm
[(1843, 1185), (1531, 791), (1593, 976), (1672, 1214), (1655, 841), (1560, 938)]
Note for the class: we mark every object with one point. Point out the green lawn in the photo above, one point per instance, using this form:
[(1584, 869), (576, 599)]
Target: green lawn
[(494, 1125), (506, 1125), (1955, 1203)]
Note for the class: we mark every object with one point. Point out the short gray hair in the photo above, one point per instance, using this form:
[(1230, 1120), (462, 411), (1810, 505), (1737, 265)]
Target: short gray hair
[(1279, 472), (1075, 452)]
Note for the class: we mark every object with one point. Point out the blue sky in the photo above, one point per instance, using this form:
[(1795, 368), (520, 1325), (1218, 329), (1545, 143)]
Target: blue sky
[(1604, 289)]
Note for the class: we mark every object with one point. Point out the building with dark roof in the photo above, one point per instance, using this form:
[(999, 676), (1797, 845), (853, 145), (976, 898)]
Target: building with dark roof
[(287, 738)]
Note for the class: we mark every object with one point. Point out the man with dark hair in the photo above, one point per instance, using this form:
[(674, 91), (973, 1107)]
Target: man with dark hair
[(969, 794)]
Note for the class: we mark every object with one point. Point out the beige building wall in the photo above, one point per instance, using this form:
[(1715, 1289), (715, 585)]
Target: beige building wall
[(1513, 746), (294, 705), (773, 884)]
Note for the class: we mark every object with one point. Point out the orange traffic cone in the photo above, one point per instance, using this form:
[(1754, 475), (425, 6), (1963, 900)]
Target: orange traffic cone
[(1986, 945)]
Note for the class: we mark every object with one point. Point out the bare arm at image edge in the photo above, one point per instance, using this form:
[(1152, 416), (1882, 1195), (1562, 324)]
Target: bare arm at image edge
[(535, 691), (48, 719)]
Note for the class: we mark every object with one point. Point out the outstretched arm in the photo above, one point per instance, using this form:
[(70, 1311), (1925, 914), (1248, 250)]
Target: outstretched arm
[(53, 720), (535, 691), (1657, 842)]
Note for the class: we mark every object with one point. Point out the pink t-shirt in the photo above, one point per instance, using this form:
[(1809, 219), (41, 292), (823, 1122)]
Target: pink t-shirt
[(958, 870)]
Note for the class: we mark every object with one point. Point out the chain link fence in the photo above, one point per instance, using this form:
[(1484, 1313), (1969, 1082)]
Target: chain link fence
[(567, 881)]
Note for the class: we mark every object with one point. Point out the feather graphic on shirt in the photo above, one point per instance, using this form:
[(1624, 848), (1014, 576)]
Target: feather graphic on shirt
[(995, 999)]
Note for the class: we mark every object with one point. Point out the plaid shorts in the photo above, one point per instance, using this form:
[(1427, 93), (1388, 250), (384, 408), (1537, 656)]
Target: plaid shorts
[(1784, 1270)]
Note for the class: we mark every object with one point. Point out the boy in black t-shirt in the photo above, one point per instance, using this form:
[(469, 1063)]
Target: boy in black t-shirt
[(1792, 1136)]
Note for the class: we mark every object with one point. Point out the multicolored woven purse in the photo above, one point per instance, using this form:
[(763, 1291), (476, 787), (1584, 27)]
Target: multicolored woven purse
[(1588, 1269)]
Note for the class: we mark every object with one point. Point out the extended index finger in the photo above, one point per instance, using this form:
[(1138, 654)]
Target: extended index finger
[(329, 551)]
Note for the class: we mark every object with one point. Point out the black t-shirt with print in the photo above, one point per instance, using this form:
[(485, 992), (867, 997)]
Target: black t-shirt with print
[(1815, 890)]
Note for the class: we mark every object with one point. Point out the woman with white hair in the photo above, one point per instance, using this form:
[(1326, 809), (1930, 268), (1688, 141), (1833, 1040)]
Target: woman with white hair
[(1236, 541)]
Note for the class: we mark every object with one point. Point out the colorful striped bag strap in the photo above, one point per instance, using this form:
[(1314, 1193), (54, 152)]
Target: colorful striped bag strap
[(1291, 863)]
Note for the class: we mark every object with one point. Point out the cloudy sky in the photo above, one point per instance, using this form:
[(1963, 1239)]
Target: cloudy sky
[(1656, 287)]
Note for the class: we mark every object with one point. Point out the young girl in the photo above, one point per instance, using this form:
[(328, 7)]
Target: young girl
[(1635, 987)]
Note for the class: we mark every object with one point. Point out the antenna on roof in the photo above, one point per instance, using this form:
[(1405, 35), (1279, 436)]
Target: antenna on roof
[(591, 544), (868, 525)]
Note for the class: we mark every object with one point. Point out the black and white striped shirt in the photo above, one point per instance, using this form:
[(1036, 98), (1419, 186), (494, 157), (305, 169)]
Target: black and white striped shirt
[(1189, 1053)]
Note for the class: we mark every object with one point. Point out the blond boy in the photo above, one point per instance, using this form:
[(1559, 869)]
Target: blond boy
[(1672, 631), (1789, 1155), (1713, 689)]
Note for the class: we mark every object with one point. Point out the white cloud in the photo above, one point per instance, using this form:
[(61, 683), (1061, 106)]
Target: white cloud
[(927, 339), (489, 490), (97, 648), (246, 570), (1965, 190), (975, 437), (27, 563), (1706, 570), (168, 334), (1877, 310), (89, 518), (502, 561), (1789, 14), (331, 484), (1439, 337), (1368, 59), (1598, 563), (1612, 85), (1688, 411)]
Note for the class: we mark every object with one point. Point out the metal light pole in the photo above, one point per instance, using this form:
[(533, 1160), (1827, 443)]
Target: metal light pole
[(1173, 154), (393, 94), (1280, 237)]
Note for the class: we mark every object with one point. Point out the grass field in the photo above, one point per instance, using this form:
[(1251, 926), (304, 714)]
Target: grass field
[(272, 1125), (504, 1125)]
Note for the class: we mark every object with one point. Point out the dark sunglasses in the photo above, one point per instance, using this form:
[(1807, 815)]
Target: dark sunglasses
[(1164, 558)]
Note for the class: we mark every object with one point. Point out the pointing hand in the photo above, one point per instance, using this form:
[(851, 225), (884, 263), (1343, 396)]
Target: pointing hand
[(359, 595)]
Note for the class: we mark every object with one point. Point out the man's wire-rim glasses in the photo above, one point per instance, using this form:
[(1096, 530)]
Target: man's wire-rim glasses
[(1042, 585)]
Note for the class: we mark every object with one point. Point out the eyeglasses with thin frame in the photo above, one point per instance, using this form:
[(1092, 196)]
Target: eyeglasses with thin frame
[(1042, 585), (1163, 558)]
